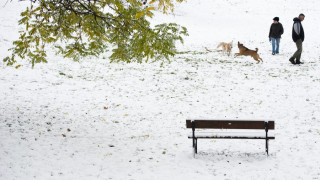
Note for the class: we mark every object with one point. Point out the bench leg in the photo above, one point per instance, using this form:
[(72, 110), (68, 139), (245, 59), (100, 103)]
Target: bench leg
[(267, 146), (193, 142), (196, 148)]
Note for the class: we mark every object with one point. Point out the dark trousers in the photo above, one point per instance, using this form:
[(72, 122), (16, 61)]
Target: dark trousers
[(297, 54)]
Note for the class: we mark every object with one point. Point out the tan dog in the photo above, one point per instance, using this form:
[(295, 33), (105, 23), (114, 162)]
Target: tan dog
[(244, 51), (226, 47)]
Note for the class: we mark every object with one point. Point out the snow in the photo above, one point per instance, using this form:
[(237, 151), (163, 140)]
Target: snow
[(96, 120)]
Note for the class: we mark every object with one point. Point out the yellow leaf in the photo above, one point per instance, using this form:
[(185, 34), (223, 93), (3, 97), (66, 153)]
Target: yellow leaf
[(139, 15), (151, 2), (150, 8), (108, 154), (126, 115)]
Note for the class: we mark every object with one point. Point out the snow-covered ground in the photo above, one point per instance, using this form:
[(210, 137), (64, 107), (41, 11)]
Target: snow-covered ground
[(96, 120)]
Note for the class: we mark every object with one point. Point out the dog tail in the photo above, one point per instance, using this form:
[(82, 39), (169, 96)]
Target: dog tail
[(257, 49), (219, 45), (208, 49)]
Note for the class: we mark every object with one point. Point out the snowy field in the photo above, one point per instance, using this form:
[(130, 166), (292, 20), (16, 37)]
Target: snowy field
[(96, 120)]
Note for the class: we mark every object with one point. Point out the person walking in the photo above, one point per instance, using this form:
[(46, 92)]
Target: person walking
[(298, 38), (276, 30)]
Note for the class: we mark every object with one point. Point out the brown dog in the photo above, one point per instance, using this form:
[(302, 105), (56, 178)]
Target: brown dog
[(244, 51)]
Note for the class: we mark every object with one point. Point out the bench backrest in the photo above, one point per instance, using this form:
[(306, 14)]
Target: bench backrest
[(230, 124)]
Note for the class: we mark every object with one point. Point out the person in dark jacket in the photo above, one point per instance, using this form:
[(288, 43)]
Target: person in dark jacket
[(276, 30), (298, 38)]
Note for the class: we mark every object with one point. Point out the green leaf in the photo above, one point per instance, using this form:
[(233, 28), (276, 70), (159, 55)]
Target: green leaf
[(18, 66)]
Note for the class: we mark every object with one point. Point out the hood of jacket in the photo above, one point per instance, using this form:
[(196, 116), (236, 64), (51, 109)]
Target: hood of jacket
[(296, 19)]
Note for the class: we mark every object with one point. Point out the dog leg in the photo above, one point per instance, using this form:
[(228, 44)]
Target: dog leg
[(223, 50), (260, 59), (256, 58)]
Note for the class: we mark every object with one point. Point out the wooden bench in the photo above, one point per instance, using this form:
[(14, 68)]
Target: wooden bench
[(230, 124)]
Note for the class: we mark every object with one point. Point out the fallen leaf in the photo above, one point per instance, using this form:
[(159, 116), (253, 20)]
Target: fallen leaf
[(18, 66)]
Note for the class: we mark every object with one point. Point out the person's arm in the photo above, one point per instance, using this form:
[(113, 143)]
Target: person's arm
[(270, 31), (296, 28), (282, 30)]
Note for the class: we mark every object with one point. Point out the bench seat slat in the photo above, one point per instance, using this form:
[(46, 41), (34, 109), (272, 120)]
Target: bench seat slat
[(229, 124), (232, 135)]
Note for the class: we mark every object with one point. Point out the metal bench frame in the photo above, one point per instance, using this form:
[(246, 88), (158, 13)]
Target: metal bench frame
[(230, 124)]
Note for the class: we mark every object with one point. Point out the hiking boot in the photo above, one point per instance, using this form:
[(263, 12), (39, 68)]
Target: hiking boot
[(299, 62), (292, 60), (273, 53)]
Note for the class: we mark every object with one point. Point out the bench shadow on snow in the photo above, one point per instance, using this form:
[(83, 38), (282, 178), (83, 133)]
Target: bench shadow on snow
[(227, 155)]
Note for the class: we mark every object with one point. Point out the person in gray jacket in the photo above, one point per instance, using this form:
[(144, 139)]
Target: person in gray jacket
[(298, 38)]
